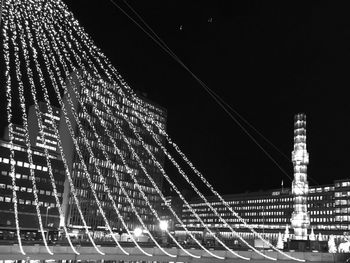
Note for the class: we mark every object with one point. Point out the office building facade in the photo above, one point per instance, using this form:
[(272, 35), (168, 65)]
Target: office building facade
[(269, 212), (28, 220), (94, 91)]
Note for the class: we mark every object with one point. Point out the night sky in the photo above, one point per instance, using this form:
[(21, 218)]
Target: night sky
[(268, 60)]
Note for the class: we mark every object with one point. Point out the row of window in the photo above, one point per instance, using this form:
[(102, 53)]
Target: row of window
[(29, 190), (24, 149), (29, 177), (26, 202), (24, 164)]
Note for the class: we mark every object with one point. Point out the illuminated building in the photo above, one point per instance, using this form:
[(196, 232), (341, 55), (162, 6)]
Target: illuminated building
[(268, 212), (28, 220), (300, 218), (26, 207), (87, 200)]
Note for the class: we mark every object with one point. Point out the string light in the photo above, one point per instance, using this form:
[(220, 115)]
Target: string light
[(176, 147), (25, 123), (77, 148), (171, 183), (36, 29), (41, 129), (83, 107), (97, 60), (85, 138), (107, 158), (102, 146), (92, 50), (82, 132), (9, 119)]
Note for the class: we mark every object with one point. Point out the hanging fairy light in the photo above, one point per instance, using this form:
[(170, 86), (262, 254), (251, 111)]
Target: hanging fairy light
[(203, 223), (71, 131), (82, 132), (108, 191), (84, 136), (79, 62), (85, 37), (41, 129), (25, 123), (46, 97), (9, 119), (202, 177), (102, 144), (136, 133), (182, 224), (123, 84)]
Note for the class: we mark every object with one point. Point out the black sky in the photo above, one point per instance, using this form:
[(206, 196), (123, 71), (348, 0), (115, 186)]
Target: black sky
[(269, 60)]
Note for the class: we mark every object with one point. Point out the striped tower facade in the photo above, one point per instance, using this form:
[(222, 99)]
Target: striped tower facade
[(300, 217)]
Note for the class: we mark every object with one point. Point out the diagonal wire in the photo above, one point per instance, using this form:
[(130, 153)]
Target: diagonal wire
[(163, 45), (222, 103)]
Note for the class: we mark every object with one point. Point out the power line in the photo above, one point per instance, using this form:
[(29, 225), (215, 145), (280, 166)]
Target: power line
[(215, 96)]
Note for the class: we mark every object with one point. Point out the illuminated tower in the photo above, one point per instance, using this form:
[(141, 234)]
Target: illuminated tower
[(300, 218)]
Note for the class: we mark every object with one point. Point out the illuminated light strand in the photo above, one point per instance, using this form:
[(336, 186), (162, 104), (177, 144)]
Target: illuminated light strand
[(83, 108), (212, 189), (129, 171), (207, 183), (221, 199), (215, 237), (82, 132), (108, 160), (41, 130), (182, 224), (47, 49), (87, 144), (25, 124), (119, 77), (100, 143), (90, 63), (106, 156), (9, 119), (218, 195), (171, 183), (133, 177), (71, 131), (46, 96), (188, 181)]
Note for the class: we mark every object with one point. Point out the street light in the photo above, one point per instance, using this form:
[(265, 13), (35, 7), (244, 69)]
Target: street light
[(137, 232), (163, 225)]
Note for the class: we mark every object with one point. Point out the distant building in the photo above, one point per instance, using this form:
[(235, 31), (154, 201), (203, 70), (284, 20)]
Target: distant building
[(87, 201), (268, 212)]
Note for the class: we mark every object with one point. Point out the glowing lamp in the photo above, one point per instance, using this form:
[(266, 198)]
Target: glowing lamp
[(137, 231), (163, 225)]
